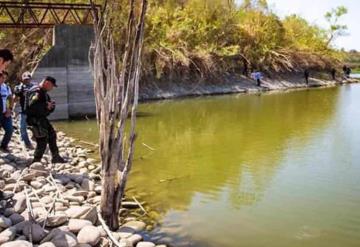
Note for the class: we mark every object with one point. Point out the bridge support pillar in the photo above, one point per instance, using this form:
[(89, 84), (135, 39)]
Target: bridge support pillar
[(68, 62)]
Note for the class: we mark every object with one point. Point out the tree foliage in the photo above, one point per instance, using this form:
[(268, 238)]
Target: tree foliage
[(207, 38)]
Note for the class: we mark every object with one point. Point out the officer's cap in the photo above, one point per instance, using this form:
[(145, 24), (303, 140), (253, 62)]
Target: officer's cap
[(51, 79)]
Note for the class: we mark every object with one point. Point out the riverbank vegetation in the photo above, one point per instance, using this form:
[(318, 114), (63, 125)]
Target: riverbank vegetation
[(209, 38)]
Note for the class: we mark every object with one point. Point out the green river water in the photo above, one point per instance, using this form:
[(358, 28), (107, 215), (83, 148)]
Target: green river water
[(274, 170)]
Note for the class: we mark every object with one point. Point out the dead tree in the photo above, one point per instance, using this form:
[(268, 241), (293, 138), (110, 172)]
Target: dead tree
[(116, 86)]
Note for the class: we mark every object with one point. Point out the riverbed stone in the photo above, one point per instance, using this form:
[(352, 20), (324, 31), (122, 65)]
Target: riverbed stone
[(5, 222), (75, 225), (134, 239), (137, 226), (61, 238), (7, 235), (145, 244), (89, 235), (35, 230), (17, 243), (16, 218), (47, 244), (57, 219), (20, 202), (83, 212), (87, 185)]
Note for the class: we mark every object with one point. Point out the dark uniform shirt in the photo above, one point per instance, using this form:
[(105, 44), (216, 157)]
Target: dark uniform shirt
[(37, 105), (20, 91)]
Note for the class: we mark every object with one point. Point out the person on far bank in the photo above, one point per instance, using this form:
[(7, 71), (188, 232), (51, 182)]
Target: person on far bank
[(333, 74), (6, 106), (307, 75), (19, 94), (38, 105)]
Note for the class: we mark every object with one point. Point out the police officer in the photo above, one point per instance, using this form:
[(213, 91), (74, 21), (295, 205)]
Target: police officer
[(38, 106)]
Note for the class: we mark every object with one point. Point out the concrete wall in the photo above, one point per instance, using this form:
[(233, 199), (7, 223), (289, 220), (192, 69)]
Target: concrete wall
[(67, 61)]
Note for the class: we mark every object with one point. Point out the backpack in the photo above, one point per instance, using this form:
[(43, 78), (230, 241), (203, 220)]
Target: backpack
[(28, 94)]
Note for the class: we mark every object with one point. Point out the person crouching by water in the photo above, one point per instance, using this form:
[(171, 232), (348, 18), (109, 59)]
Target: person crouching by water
[(5, 112), (19, 94), (38, 106)]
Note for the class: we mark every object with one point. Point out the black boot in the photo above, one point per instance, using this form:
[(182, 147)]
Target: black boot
[(58, 159)]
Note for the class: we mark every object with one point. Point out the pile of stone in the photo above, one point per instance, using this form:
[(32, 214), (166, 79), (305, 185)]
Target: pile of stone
[(57, 204)]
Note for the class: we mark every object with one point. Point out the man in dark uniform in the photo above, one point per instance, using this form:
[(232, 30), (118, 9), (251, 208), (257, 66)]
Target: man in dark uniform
[(38, 106)]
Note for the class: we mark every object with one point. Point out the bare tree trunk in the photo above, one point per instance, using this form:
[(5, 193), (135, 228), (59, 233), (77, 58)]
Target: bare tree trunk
[(116, 86)]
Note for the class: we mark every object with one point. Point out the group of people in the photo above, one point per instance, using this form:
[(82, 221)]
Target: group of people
[(35, 104)]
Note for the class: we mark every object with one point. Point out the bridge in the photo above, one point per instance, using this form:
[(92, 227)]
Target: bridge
[(67, 60), (27, 14)]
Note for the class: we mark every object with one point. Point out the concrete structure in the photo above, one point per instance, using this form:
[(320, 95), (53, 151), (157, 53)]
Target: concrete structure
[(68, 62)]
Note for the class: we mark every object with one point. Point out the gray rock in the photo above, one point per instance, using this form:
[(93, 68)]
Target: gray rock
[(87, 185), (8, 168), (145, 244), (124, 232), (89, 235), (22, 237), (16, 218), (98, 189), (37, 184), (20, 226), (17, 243), (76, 193), (8, 212), (2, 184), (102, 231), (61, 238), (7, 235), (83, 212), (37, 232), (85, 245), (38, 166), (20, 203), (56, 220), (47, 244), (5, 222), (78, 199), (134, 239), (75, 225), (137, 226)]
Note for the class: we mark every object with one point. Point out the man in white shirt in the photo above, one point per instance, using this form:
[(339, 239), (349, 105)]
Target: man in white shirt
[(6, 105)]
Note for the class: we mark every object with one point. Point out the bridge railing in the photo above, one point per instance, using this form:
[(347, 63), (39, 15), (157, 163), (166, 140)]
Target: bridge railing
[(44, 15)]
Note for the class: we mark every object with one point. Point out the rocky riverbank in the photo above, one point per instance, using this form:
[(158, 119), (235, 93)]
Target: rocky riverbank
[(57, 204), (234, 83)]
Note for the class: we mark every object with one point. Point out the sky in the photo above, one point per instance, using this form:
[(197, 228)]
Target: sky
[(314, 11)]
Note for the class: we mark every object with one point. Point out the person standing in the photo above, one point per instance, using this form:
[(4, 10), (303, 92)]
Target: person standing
[(306, 75), (6, 57), (6, 106), (38, 105), (333, 74), (19, 94)]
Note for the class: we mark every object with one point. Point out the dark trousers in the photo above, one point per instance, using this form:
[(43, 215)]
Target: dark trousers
[(7, 125), (44, 134), (258, 82)]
